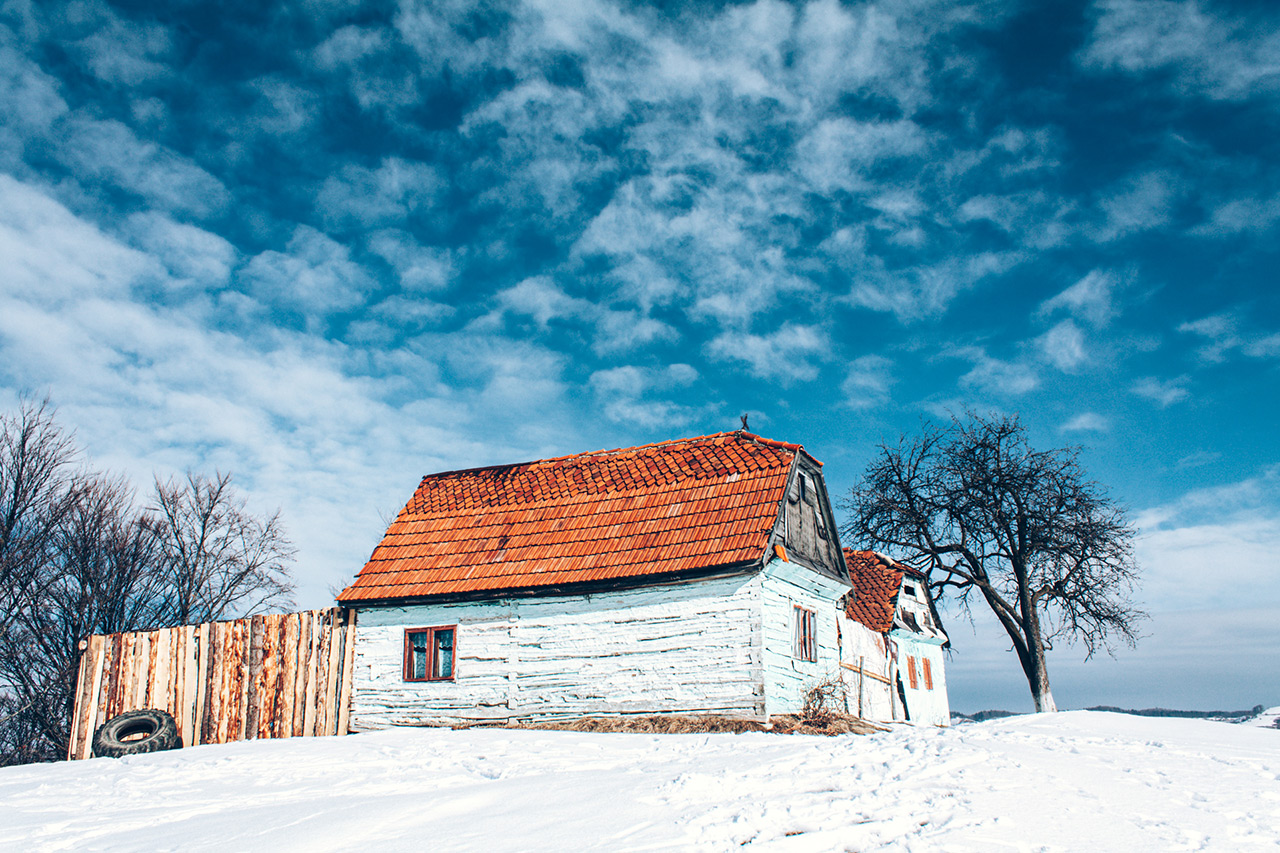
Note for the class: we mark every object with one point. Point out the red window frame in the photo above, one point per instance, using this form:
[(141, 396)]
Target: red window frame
[(432, 650), (806, 639), (928, 673), (911, 673)]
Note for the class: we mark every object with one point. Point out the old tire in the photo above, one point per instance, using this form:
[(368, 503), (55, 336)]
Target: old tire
[(157, 729)]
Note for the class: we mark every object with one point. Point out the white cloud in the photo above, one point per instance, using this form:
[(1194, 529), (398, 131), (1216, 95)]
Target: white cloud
[(628, 395), (1198, 459), (1089, 299), (1222, 335), (189, 253), (786, 354), (126, 54), (995, 376), (837, 153), (543, 301), (1230, 532), (1265, 347), (1165, 392), (1086, 422), (1200, 49), (359, 198), (107, 150), (1219, 332), (282, 108), (1063, 346), (49, 252), (915, 293), (1140, 203), (29, 98), (419, 268), (1255, 215), (313, 277), (1034, 217), (867, 382)]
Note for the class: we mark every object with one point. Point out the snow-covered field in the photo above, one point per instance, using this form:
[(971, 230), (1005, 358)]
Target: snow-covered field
[(1072, 781)]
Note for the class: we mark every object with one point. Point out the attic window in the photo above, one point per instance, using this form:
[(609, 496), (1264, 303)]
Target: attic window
[(428, 653), (909, 590), (806, 639)]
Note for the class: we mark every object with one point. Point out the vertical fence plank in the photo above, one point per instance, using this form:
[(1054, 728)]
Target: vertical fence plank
[(325, 681), (300, 680), (309, 691), (118, 664), (348, 663), (188, 652), (81, 666), (253, 672), (202, 655), (243, 682), (212, 692), (287, 683), (98, 646), (268, 686)]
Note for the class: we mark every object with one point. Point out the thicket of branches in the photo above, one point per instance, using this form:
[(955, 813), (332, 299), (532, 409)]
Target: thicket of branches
[(1022, 531), (81, 554)]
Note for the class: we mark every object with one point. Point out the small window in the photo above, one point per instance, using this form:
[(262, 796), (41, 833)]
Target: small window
[(928, 673), (909, 590), (806, 634), (428, 653), (911, 673)]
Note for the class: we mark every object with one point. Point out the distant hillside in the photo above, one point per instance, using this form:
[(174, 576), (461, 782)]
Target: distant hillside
[(1224, 716)]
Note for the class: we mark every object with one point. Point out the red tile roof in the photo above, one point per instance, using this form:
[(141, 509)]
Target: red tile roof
[(658, 509), (876, 580)]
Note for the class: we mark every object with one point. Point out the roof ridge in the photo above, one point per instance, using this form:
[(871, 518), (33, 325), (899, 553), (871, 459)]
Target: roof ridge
[(768, 442)]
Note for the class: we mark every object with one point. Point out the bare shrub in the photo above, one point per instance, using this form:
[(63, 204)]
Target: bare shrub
[(823, 701)]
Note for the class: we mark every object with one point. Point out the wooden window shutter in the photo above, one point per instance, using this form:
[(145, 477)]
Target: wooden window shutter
[(928, 673), (911, 673)]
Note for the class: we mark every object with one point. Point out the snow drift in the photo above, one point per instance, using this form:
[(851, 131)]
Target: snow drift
[(1071, 781)]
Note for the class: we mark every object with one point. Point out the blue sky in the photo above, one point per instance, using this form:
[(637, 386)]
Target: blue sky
[(331, 247)]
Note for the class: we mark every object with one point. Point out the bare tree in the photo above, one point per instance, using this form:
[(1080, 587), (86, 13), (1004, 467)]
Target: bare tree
[(981, 513), (36, 485), (99, 578), (78, 557), (217, 558)]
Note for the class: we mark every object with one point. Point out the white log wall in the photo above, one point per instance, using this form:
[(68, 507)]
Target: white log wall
[(688, 648), (926, 707), (864, 648), (785, 586)]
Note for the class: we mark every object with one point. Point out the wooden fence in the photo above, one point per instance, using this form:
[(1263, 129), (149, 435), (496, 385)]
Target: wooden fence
[(278, 675)]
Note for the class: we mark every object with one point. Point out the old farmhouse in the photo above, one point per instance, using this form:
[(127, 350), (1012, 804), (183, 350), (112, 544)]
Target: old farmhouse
[(892, 643), (702, 575)]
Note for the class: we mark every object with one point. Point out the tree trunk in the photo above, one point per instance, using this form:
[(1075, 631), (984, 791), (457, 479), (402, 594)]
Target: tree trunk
[(1038, 676)]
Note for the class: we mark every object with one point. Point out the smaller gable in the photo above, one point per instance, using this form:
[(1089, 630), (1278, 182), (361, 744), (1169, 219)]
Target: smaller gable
[(876, 580)]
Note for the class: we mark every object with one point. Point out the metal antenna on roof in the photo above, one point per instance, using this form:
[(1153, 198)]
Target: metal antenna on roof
[(744, 422)]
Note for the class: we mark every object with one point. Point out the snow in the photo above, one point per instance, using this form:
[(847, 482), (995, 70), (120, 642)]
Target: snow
[(1077, 780), (1269, 718)]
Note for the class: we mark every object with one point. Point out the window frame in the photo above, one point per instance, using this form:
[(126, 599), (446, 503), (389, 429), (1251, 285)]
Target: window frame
[(805, 639), (406, 664)]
